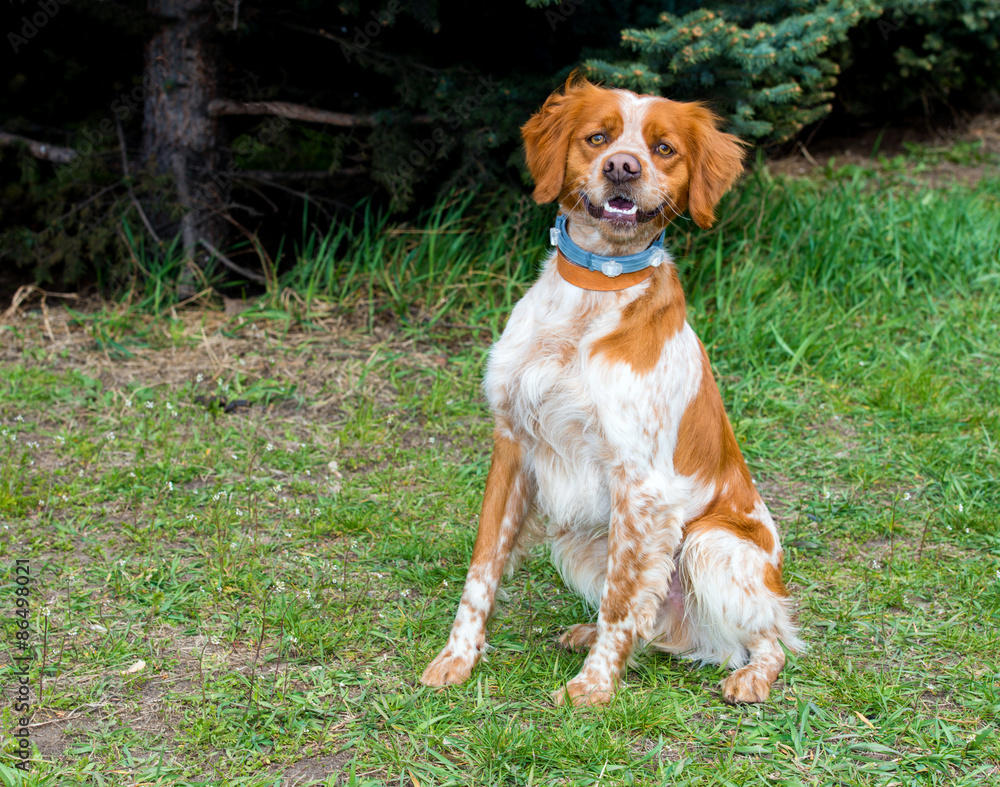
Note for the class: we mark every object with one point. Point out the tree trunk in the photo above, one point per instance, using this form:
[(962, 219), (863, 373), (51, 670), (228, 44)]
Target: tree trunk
[(180, 137)]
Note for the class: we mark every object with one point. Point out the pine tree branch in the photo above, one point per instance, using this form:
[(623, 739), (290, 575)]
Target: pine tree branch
[(225, 106), (42, 150)]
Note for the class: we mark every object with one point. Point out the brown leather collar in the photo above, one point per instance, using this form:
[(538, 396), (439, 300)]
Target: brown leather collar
[(595, 280)]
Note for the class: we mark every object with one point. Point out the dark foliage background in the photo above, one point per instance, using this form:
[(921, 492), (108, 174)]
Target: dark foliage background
[(431, 95)]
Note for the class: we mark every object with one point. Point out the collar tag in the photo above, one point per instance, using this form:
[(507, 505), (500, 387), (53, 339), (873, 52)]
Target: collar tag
[(611, 268), (554, 236)]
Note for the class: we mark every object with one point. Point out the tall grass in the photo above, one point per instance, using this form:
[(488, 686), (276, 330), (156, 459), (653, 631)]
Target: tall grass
[(849, 246)]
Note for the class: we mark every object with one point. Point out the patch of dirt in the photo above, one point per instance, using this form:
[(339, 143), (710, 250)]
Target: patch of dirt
[(865, 150), (312, 770)]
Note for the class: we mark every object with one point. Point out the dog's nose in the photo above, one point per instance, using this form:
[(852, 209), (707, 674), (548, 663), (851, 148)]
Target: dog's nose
[(622, 167)]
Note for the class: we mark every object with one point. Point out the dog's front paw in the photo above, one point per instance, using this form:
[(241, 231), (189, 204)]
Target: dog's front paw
[(747, 684), (448, 669), (582, 692), (579, 637)]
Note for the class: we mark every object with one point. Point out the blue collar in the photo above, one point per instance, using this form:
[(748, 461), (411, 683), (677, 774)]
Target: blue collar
[(609, 266)]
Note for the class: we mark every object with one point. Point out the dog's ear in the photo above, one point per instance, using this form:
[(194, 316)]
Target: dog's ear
[(546, 139), (717, 164)]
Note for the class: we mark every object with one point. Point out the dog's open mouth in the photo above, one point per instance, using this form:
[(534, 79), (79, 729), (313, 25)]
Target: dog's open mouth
[(620, 210)]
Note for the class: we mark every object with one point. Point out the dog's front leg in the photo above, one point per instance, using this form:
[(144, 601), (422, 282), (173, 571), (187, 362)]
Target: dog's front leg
[(642, 539), (510, 488)]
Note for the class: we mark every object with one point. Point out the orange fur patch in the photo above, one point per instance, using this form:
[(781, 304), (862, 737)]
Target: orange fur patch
[(504, 466), (707, 449), (646, 323)]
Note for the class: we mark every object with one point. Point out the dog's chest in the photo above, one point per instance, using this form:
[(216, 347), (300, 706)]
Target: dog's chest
[(540, 381)]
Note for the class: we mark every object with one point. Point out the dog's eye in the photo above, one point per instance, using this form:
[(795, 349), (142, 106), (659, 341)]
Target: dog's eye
[(664, 149), (597, 139)]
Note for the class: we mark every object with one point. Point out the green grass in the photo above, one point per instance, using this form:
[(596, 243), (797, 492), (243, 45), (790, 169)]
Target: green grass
[(285, 570)]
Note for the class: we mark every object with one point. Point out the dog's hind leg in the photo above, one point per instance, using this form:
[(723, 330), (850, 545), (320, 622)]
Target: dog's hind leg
[(735, 605), (510, 490)]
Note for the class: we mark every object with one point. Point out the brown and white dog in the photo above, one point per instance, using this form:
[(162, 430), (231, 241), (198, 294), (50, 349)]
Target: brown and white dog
[(611, 443)]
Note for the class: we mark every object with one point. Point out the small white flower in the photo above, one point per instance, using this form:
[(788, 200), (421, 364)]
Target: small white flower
[(19, 418), (110, 437), (169, 406), (46, 611), (190, 517), (269, 447), (121, 562), (60, 439), (906, 496), (961, 508), (131, 474), (199, 377), (826, 495), (214, 639), (430, 439), (233, 456), (148, 405), (128, 402), (170, 485), (446, 583), (279, 586)]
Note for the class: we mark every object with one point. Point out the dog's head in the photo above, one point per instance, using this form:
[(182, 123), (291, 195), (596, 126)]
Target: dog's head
[(624, 165)]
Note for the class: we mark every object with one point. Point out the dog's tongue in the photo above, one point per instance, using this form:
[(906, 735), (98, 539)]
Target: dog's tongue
[(620, 203)]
